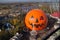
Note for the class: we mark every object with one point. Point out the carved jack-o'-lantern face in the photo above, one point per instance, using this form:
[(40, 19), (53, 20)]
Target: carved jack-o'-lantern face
[(36, 19)]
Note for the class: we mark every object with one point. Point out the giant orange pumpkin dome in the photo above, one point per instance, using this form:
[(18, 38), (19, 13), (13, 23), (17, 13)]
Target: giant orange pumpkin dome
[(36, 19)]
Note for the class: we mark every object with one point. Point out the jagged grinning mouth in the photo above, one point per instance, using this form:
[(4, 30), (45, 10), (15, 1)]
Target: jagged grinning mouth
[(37, 25)]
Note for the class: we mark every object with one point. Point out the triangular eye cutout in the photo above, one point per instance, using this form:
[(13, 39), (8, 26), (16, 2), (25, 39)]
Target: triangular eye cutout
[(31, 18), (41, 18)]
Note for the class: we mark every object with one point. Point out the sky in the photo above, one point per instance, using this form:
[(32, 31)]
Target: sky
[(12, 1)]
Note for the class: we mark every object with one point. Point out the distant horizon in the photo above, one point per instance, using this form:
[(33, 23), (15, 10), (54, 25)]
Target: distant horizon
[(20, 1)]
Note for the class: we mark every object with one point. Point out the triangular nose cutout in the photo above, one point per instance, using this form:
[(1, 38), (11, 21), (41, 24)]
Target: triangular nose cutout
[(36, 20)]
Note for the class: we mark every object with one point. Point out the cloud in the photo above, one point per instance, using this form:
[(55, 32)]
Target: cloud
[(11, 1)]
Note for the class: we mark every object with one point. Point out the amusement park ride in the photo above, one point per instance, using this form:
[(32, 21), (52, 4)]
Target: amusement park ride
[(37, 25), (42, 21)]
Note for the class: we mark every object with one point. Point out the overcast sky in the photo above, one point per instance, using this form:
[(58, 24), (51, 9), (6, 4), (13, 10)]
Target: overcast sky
[(11, 1)]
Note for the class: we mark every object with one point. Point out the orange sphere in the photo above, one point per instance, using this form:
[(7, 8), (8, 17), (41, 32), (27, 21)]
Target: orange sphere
[(36, 19)]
